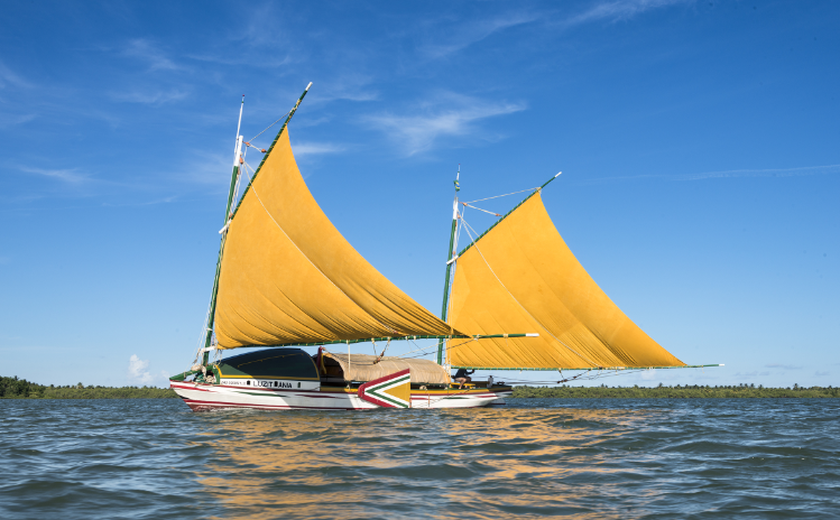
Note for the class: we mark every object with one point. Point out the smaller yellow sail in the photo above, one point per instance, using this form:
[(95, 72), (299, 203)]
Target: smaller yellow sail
[(522, 277)]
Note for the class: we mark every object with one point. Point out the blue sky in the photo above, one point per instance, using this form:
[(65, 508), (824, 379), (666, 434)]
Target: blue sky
[(699, 144)]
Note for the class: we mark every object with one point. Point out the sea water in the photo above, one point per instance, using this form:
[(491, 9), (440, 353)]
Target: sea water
[(534, 458)]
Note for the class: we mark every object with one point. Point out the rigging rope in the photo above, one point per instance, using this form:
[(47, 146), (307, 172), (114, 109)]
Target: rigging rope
[(203, 336), (269, 126), (468, 205), (499, 196)]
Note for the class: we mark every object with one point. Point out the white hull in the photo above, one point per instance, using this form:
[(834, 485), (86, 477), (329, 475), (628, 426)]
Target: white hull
[(202, 396)]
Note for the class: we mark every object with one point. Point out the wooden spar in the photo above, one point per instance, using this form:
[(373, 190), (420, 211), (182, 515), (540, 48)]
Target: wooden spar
[(270, 148), (452, 247), (479, 237), (234, 176), (592, 369), (551, 179), (211, 313), (348, 342)]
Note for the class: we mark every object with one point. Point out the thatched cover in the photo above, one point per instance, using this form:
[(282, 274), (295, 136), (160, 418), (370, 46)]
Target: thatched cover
[(362, 367)]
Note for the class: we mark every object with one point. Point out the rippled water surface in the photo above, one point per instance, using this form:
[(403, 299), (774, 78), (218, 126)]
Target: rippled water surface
[(534, 458)]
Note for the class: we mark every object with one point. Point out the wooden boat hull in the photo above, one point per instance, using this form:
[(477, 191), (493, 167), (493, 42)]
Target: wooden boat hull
[(208, 396)]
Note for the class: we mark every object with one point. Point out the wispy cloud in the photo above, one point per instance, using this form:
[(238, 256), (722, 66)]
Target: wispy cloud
[(266, 28), (784, 367), (801, 171), (210, 168), (71, 175), (350, 88), (754, 373), (164, 200), (776, 172), (448, 115), (311, 121), (12, 120), (618, 10), (303, 149), (235, 60), (472, 32), (147, 51), (150, 98), (14, 112), (9, 78)]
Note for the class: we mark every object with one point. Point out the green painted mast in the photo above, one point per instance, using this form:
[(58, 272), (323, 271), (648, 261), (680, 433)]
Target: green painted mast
[(211, 313), (449, 261)]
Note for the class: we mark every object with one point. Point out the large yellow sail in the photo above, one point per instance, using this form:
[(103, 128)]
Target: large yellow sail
[(289, 277), (522, 277)]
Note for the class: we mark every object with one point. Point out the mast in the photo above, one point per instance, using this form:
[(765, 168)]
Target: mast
[(234, 176), (449, 261), (229, 213), (270, 148)]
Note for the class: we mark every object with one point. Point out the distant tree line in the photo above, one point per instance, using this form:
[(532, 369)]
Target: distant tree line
[(679, 392), (14, 388)]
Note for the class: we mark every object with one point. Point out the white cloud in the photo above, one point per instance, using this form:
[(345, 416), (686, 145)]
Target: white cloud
[(210, 167), (618, 10), (473, 32), (148, 52), (468, 33), (350, 88), (302, 149), (266, 28), (154, 202), (800, 171), (235, 60), (263, 38), (71, 175), (7, 120), (776, 172), (138, 371), (150, 98), (10, 78), (448, 115)]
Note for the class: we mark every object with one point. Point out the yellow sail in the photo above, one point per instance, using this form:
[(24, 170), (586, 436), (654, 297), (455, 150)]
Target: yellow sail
[(522, 277), (289, 277)]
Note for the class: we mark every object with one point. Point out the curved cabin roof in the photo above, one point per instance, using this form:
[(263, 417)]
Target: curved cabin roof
[(274, 363)]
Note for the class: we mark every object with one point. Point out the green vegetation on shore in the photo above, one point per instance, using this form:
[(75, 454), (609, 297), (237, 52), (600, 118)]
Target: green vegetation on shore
[(679, 392), (14, 388)]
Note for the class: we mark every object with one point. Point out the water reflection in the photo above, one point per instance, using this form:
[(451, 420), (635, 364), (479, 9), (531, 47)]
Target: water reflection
[(429, 464), (754, 458)]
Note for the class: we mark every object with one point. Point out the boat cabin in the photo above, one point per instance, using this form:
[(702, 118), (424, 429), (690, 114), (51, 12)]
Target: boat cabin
[(293, 368)]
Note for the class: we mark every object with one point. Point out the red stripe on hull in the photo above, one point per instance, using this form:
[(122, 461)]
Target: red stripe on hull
[(197, 406), (201, 396)]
